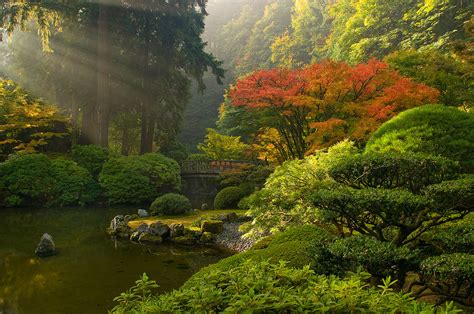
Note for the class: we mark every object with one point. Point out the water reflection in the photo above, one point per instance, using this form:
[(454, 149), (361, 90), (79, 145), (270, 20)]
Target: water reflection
[(90, 268)]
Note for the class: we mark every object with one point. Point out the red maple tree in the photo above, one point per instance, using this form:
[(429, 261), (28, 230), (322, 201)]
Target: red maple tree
[(321, 104)]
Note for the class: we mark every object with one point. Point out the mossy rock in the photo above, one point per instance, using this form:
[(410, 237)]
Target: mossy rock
[(186, 240), (212, 226), (207, 237), (193, 232), (150, 238)]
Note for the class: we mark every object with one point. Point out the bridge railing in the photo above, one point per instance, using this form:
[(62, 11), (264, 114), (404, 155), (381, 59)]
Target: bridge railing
[(214, 166)]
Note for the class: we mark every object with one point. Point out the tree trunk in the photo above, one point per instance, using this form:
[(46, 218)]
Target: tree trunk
[(89, 126), (148, 120), (103, 86)]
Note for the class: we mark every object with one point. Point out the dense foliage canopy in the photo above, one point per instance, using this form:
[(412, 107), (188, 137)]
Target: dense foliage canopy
[(321, 104), (437, 130)]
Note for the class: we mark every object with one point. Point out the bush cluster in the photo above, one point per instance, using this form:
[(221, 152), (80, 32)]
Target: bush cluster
[(269, 287), (228, 198), (29, 180), (170, 204), (139, 179), (285, 200), (432, 129), (91, 157)]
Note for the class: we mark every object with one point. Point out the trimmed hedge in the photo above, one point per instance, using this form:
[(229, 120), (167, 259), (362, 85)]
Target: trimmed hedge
[(27, 180), (139, 179), (455, 268), (432, 129), (91, 157), (380, 259), (393, 170), (35, 180), (74, 184), (228, 198), (170, 204), (454, 237)]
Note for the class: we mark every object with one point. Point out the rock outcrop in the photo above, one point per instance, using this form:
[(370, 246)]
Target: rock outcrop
[(119, 226), (46, 246)]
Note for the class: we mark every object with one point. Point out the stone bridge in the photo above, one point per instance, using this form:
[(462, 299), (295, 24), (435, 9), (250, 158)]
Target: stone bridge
[(200, 178)]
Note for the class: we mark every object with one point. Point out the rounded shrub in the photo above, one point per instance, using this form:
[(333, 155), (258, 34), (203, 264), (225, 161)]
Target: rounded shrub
[(379, 258), (74, 184), (139, 179), (91, 157), (27, 180), (35, 180), (431, 129), (170, 204), (228, 198)]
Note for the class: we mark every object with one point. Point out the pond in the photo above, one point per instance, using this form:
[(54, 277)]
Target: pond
[(90, 269)]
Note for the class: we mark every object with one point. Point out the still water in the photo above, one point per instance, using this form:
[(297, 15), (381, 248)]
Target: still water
[(90, 269)]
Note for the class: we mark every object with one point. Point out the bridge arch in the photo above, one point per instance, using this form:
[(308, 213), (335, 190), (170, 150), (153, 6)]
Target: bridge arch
[(200, 178)]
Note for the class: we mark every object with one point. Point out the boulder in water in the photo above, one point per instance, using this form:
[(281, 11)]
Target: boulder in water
[(146, 237), (176, 230), (159, 229), (142, 228), (207, 237), (119, 227), (46, 246)]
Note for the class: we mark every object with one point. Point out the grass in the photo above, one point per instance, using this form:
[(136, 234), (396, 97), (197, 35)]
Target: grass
[(186, 220)]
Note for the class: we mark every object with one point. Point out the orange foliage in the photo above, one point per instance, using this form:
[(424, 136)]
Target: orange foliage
[(340, 101)]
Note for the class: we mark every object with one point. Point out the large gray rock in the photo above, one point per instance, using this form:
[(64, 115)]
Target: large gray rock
[(142, 213), (159, 229), (212, 226), (119, 227), (46, 246), (142, 228), (176, 230), (146, 237)]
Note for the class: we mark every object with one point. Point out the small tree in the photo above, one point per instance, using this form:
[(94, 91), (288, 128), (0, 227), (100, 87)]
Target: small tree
[(28, 125), (220, 147), (394, 198)]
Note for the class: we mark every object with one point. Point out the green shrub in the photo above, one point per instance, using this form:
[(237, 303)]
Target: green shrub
[(198, 157), (294, 246), (175, 150), (452, 268), (306, 233), (35, 180), (393, 170), (170, 204), (380, 259), (391, 205), (228, 198), (449, 275), (285, 200), (433, 129), (27, 180), (266, 287), (74, 184), (91, 157), (248, 177), (454, 237), (139, 179)]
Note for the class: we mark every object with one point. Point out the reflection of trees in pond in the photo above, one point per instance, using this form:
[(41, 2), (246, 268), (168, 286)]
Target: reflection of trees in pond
[(21, 278), (111, 57)]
